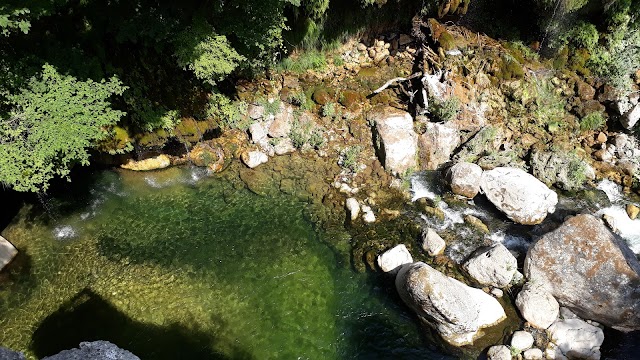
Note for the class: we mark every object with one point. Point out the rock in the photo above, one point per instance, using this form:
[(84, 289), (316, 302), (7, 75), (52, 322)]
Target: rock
[(537, 306), (584, 90), (95, 350), (576, 339), (493, 266), (633, 211), (630, 118), (465, 179), (255, 112), (254, 158), (398, 141), (432, 243), (533, 354), (602, 138), (353, 207), (589, 270), (154, 163), (522, 340), (284, 146), (6, 354), (522, 197), (437, 144), (404, 39), (282, 122), (497, 292), (499, 352), (368, 217), (258, 132), (454, 309), (7, 252), (392, 260), (564, 169), (476, 223), (361, 47), (206, 155), (321, 96)]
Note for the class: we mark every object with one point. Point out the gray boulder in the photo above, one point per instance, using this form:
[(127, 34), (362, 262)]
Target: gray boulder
[(455, 310), (576, 339), (95, 350), (563, 169), (518, 194), (6, 354), (282, 122), (398, 142), (537, 306), (493, 266), (522, 340), (432, 243), (437, 144), (590, 270), (465, 179), (7, 252)]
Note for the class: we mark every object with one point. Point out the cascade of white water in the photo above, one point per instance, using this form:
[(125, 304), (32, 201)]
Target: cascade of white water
[(628, 229)]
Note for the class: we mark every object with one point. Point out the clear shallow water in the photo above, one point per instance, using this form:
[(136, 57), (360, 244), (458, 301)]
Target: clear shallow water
[(174, 265)]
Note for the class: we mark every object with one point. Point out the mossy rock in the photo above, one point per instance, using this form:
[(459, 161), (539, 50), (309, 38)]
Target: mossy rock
[(351, 99), (153, 139), (510, 69), (447, 41), (321, 96), (190, 130), (119, 143)]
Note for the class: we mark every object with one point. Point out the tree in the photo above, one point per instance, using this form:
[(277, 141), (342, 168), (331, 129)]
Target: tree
[(54, 120)]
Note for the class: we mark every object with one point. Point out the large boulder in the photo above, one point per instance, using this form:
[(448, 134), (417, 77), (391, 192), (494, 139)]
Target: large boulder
[(437, 144), (154, 163), (537, 305), (465, 179), (576, 339), (454, 309), (493, 266), (7, 252), (6, 354), (391, 260), (94, 350), (590, 270), (398, 142), (518, 194)]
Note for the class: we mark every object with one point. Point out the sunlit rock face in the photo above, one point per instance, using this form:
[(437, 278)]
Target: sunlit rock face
[(589, 270), (398, 142)]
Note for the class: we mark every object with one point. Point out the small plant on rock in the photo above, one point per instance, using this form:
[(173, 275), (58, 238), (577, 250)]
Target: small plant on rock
[(444, 110), (593, 121), (349, 158)]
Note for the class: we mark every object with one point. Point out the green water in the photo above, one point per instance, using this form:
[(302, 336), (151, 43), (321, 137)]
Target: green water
[(173, 267)]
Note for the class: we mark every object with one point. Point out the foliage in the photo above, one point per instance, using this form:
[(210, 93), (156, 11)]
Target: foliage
[(271, 106), (444, 110), (228, 114), (309, 60), (54, 120), (349, 157), (584, 35), (329, 110), (299, 98), (592, 121), (510, 68), (549, 105), (576, 173), (304, 132), (210, 56), (521, 51), (617, 61)]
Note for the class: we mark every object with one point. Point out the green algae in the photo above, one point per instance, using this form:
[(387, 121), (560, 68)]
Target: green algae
[(170, 266)]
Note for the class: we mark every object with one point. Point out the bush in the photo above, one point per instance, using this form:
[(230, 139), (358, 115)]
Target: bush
[(306, 133), (444, 110), (593, 121), (228, 114), (329, 110), (308, 60), (584, 35), (349, 157)]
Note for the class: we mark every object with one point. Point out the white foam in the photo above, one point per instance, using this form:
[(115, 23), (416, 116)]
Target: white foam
[(420, 189), (628, 229), (64, 232), (613, 190), (511, 242)]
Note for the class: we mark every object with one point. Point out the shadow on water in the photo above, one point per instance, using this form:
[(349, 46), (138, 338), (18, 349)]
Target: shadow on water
[(88, 317)]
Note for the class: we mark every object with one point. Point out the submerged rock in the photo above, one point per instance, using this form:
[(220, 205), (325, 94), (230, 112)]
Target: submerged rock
[(95, 350), (154, 163), (398, 141), (518, 194), (455, 310), (432, 243), (533, 354), (465, 179), (353, 207), (391, 260), (576, 339), (589, 270), (493, 266), (7, 252), (537, 306)]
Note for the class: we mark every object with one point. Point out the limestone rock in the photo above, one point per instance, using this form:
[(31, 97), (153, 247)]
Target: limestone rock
[(476, 223), (559, 168), (254, 158), (455, 310), (576, 339), (432, 243), (7, 252), (284, 146), (258, 132), (391, 260), (465, 179), (533, 354), (630, 118), (255, 111), (398, 141), (353, 207), (493, 266), (522, 340), (154, 163), (522, 197), (589, 270), (437, 144), (537, 306), (282, 122), (633, 211), (499, 352), (206, 155), (95, 350)]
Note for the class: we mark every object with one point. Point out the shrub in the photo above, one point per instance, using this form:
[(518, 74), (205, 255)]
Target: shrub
[(228, 114), (349, 157), (306, 133), (444, 110), (308, 60), (270, 107), (329, 110), (592, 121)]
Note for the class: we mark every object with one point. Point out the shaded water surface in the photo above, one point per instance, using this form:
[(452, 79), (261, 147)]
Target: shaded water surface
[(174, 265)]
